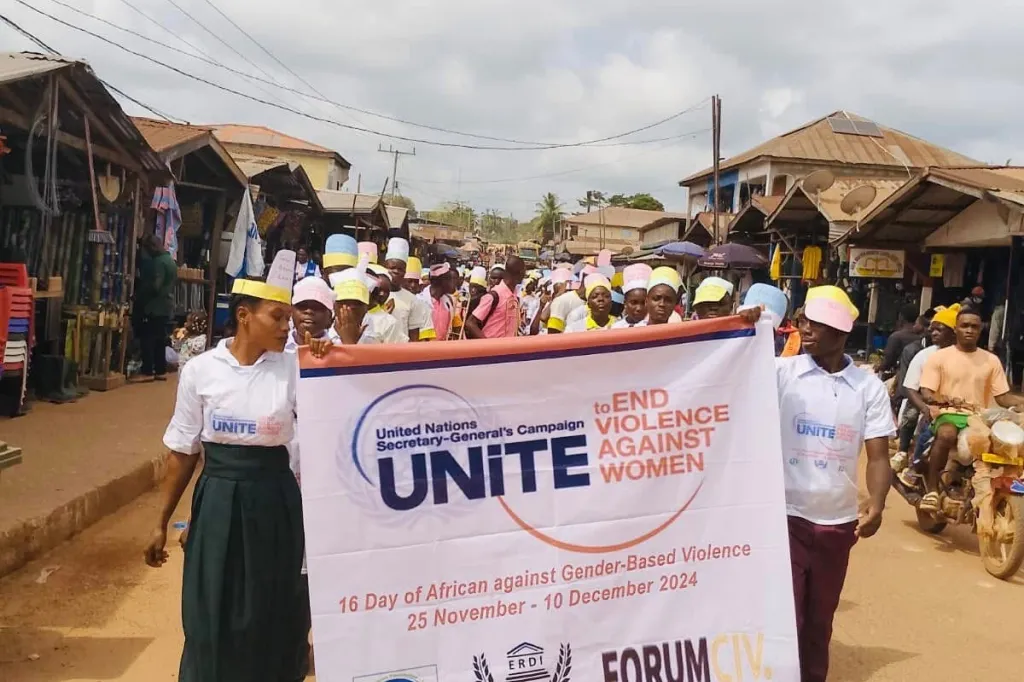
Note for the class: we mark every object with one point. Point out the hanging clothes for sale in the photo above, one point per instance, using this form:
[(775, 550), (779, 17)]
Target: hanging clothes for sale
[(812, 263), (245, 259), (953, 270), (168, 218)]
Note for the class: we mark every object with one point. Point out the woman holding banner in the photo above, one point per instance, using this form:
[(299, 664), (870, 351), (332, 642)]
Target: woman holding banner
[(243, 611)]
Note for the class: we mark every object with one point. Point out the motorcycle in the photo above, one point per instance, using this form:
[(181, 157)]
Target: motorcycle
[(1002, 551)]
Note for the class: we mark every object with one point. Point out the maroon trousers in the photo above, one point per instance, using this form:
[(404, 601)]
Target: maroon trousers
[(819, 556)]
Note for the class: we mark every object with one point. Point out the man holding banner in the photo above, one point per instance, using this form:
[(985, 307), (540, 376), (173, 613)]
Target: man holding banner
[(828, 409)]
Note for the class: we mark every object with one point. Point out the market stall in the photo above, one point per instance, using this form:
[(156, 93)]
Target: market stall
[(206, 181), (76, 176)]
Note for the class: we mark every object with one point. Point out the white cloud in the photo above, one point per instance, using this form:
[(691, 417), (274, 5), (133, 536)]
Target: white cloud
[(568, 70)]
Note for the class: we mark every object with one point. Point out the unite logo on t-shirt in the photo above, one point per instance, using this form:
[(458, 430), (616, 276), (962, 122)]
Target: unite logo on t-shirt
[(830, 436), (265, 426)]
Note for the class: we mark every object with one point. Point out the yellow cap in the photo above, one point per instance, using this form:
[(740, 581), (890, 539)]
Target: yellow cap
[(352, 290), (947, 316), (257, 289), (830, 306), (597, 281), (618, 280)]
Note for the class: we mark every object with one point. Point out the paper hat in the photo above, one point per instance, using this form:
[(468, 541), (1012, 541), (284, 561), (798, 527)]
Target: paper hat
[(478, 276), (378, 270), (618, 298), (340, 250), (772, 299), (352, 290), (398, 249), (563, 266), (635, 277), (278, 285), (664, 275), (604, 257), (588, 269), (497, 266), (313, 289), (424, 274), (368, 248), (947, 316), (618, 279), (413, 268), (561, 276), (830, 306), (606, 270), (358, 273), (597, 281), (712, 290), (439, 270)]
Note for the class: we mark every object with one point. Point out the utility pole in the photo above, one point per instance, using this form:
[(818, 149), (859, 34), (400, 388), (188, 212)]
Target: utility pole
[(394, 168), (716, 129)]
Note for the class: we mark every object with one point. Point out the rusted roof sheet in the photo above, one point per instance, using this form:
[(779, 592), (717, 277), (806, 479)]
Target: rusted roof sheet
[(618, 216), (816, 141), (1001, 179), (766, 205), (262, 136), (162, 135)]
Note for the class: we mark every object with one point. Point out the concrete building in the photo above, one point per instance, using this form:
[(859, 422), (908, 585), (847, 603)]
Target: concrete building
[(842, 142), (617, 229)]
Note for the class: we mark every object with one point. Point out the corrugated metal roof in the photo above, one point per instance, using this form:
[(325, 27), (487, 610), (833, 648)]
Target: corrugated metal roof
[(15, 66), (1003, 179), (396, 215), (162, 135), (262, 136), (343, 202), (816, 141), (766, 204), (618, 216)]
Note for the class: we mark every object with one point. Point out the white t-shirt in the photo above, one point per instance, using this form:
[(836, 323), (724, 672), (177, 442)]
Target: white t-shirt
[(412, 313), (221, 401), (912, 379), (383, 325), (825, 419), (562, 307), (623, 323)]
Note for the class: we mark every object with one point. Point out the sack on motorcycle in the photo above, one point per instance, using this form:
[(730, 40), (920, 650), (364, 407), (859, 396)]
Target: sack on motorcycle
[(1007, 439), (973, 442)]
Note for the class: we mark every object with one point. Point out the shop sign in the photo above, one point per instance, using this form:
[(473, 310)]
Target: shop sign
[(938, 265), (877, 263)]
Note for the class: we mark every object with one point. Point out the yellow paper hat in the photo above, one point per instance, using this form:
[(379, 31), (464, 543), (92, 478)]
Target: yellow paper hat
[(596, 281), (664, 275), (947, 316), (413, 268), (618, 279), (278, 285), (340, 250), (352, 290)]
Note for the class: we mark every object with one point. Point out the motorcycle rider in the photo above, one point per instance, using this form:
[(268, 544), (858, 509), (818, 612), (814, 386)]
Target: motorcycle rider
[(956, 381)]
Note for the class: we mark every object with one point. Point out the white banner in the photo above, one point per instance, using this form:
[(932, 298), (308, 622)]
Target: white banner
[(602, 507)]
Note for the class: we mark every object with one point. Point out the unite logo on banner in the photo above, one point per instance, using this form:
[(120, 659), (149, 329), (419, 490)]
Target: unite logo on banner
[(424, 451)]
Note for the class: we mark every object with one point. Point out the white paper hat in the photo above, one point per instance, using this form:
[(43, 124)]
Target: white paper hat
[(398, 249)]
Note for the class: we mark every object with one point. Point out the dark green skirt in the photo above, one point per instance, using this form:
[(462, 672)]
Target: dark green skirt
[(243, 605)]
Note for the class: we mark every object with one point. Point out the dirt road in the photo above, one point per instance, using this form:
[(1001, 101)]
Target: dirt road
[(915, 608)]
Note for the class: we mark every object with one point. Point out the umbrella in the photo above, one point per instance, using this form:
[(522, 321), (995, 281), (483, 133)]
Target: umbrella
[(679, 249), (547, 255), (733, 256), (445, 251)]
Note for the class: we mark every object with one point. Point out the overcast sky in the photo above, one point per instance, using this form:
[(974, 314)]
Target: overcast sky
[(564, 71)]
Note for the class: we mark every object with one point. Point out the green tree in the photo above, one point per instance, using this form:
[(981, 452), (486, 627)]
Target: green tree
[(642, 200), (549, 215), (454, 213), (591, 199)]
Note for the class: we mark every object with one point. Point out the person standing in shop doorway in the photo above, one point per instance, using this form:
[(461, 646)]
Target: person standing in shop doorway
[(154, 302)]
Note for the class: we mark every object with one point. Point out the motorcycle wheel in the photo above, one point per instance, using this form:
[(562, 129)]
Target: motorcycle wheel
[(930, 523), (1003, 559)]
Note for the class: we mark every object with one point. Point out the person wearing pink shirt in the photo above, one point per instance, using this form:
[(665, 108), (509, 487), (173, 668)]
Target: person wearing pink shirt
[(497, 314), (439, 296)]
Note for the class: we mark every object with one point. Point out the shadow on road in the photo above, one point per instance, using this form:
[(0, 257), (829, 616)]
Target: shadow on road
[(860, 663), (953, 539), (59, 657)]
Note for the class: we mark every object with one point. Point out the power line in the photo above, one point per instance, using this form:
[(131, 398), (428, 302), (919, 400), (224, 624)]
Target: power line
[(222, 41), (38, 41), (320, 98), (206, 58), (148, 18), (559, 173), (338, 124)]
